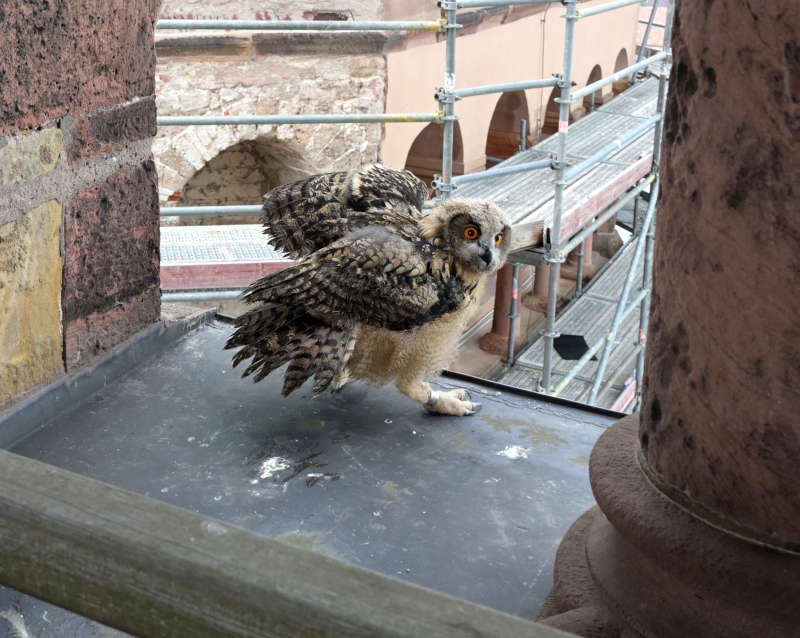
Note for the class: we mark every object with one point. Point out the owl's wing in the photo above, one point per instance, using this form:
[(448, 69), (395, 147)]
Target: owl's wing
[(309, 214), (373, 276)]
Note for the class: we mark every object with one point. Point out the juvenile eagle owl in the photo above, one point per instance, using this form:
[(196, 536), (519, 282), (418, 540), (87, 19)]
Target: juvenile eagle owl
[(382, 292)]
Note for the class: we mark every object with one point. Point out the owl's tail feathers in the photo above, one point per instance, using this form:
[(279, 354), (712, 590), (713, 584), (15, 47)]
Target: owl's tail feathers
[(274, 334)]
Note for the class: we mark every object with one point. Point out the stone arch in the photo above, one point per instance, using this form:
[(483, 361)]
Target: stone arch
[(550, 125), (425, 155), (240, 174), (502, 140), (621, 62), (593, 100)]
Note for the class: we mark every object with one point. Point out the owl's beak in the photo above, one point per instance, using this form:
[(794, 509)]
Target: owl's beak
[(486, 255)]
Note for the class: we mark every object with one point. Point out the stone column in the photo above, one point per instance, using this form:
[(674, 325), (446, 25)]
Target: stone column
[(570, 269), (698, 526), (537, 301), (496, 341)]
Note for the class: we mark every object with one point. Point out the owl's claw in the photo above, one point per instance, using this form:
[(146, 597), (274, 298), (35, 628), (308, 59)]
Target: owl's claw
[(455, 402)]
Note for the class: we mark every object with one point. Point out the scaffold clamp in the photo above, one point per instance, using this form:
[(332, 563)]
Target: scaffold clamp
[(444, 96), (441, 186)]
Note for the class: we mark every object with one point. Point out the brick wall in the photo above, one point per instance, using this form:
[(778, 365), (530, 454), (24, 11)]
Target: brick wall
[(78, 188)]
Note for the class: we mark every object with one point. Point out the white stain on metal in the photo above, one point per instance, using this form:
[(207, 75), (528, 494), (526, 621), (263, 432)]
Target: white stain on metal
[(514, 452), (273, 465)]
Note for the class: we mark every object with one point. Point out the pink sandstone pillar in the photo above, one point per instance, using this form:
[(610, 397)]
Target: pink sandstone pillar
[(537, 301), (698, 527), (541, 277), (570, 269), (496, 341)]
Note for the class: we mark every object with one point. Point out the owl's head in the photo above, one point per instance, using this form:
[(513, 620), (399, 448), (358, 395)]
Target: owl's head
[(476, 232)]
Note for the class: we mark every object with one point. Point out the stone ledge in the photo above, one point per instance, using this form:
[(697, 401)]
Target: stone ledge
[(109, 130), (209, 46), (358, 43)]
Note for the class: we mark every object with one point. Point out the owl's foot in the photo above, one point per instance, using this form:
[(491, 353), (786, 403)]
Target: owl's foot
[(455, 402), (340, 380)]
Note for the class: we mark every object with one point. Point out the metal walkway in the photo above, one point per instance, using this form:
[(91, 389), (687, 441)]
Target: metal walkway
[(232, 256), (216, 256), (528, 196), (590, 316)]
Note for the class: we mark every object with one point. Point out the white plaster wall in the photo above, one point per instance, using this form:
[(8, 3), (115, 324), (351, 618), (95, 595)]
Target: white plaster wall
[(526, 49)]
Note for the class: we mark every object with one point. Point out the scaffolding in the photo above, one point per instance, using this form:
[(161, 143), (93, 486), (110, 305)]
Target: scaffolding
[(550, 247)]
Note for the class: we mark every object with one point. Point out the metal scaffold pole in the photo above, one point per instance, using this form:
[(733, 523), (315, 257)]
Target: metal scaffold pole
[(447, 98), (554, 257), (647, 275)]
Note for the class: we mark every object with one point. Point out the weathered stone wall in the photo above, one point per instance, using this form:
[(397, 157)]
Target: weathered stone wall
[(244, 73), (78, 195), (261, 84)]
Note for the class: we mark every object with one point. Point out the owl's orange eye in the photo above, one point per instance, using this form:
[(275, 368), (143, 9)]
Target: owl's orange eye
[(498, 239), (471, 232)]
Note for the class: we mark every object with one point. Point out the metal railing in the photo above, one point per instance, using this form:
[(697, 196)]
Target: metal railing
[(557, 248)]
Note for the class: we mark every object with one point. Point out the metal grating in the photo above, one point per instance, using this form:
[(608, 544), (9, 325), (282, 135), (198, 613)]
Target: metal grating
[(197, 245), (590, 315)]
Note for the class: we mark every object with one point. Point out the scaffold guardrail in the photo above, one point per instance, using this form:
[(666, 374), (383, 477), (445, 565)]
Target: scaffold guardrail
[(556, 247)]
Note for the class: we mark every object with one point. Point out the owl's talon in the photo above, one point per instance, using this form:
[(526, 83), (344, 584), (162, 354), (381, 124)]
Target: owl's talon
[(476, 407)]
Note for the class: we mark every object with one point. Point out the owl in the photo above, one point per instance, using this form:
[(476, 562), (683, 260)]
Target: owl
[(381, 292)]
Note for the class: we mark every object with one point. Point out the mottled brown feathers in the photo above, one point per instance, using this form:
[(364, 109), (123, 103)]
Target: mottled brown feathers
[(382, 291), (306, 215)]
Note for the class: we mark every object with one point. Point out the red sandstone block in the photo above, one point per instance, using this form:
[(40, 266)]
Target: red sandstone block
[(110, 130), (73, 56), (111, 242), (95, 334)]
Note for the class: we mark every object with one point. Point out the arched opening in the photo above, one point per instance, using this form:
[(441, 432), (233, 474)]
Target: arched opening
[(550, 125), (622, 61), (240, 174), (425, 155), (595, 99), (503, 139)]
